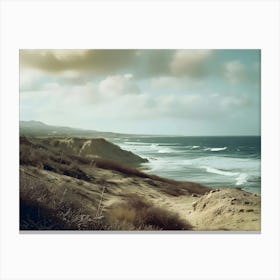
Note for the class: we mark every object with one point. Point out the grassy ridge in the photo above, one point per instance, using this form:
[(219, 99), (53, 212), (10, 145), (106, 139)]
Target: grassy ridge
[(63, 191)]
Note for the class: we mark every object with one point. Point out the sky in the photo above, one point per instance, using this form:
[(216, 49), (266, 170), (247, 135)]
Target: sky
[(170, 92)]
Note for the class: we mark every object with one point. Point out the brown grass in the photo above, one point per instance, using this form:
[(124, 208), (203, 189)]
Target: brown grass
[(51, 160), (43, 209), (137, 213), (71, 165)]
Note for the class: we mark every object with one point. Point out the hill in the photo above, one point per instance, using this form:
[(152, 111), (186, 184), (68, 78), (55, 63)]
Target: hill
[(88, 148), (63, 188), (60, 189), (37, 128)]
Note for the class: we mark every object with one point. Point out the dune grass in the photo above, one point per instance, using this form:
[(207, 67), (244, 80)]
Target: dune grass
[(137, 213), (42, 208), (46, 207), (71, 165)]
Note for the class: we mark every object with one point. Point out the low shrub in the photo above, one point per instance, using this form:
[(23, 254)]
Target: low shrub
[(42, 209), (144, 216)]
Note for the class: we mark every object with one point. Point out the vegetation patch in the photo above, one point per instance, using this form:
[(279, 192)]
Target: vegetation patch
[(138, 213)]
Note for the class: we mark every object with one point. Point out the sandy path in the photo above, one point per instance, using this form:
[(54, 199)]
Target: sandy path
[(226, 209)]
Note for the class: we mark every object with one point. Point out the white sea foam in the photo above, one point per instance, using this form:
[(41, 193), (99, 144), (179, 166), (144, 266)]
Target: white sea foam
[(217, 149), (136, 143), (154, 145), (191, 162), (145, 149), (220, 172), (241, 179), (165, 150), (225, 163)]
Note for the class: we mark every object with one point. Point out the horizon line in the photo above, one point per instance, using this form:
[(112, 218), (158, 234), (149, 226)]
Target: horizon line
[(147, 134)]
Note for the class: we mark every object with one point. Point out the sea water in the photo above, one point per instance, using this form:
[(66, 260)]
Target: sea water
[(212, 161)]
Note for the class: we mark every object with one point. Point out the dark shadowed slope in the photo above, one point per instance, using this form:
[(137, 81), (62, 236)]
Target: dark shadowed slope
[(87, 148)]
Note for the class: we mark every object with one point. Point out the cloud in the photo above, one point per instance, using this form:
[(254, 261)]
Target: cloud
[(97, 61), (234, 71), (116, 103), (149, 62), (153, 63), (29, 80), (88, 88), (171, 83), (32, 79), (197, 106), (233, 102), (190, 62), (118, 85), (120, 97)]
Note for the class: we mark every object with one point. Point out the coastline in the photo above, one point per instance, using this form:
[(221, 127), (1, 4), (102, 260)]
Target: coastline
[(121, 197), (212, 161)]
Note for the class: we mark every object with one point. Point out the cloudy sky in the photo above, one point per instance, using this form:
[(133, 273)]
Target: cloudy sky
[(178, 92)]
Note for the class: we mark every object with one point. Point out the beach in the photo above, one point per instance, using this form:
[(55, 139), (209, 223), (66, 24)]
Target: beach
[(86, 191)]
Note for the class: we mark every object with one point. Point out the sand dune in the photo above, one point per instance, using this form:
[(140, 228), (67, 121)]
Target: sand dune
[(90, 148), (72, 193)]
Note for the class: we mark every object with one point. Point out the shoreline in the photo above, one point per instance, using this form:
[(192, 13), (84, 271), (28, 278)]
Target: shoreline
[(106, 195), (212, 186)]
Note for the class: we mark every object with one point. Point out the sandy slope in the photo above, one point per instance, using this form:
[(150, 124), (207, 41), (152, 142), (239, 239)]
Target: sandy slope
[(225, 209)]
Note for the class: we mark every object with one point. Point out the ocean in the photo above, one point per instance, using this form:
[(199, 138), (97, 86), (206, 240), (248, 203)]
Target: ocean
[(211, 161)]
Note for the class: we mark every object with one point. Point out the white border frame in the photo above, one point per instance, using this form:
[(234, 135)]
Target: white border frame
[(154, 24)]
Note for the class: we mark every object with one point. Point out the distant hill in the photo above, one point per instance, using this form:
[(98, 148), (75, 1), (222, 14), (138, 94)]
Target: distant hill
[(87, 148), (37, 128)]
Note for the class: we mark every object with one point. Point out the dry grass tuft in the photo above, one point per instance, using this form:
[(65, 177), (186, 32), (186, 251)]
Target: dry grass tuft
[(43, 209), (138, 214)]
